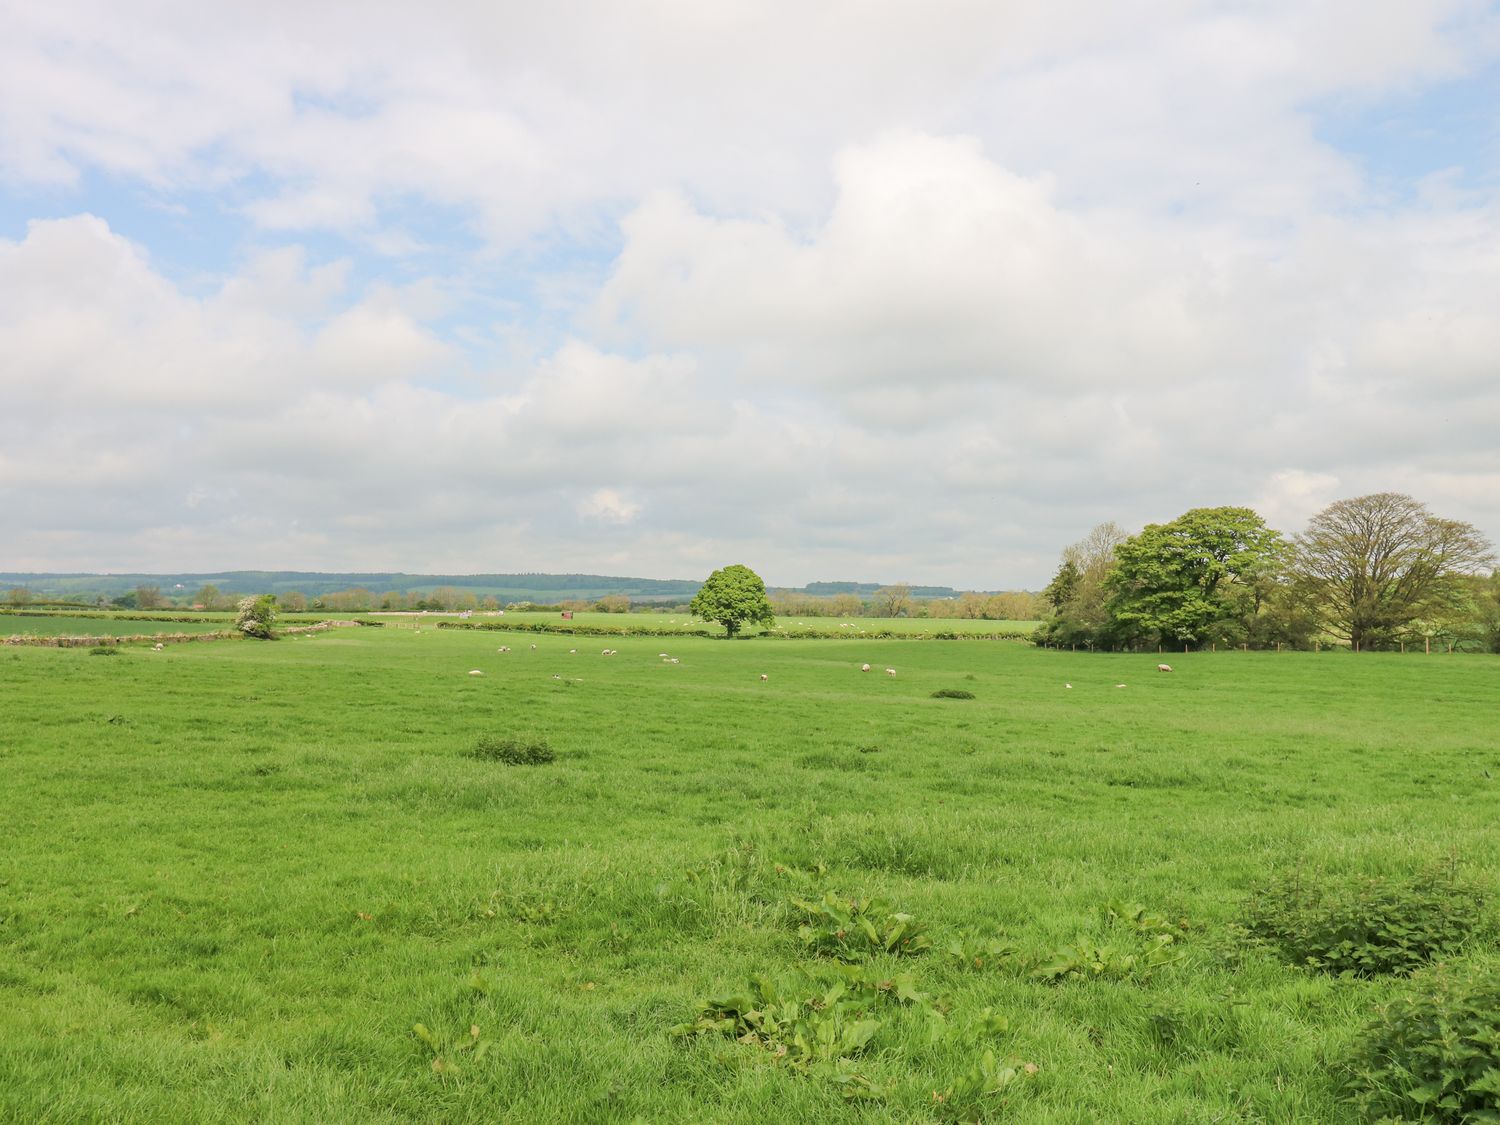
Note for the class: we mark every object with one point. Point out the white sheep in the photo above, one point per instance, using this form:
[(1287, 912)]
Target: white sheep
[(764, 677), (475, 672), (1163, 667), (1119, 685), (890, 671), (864, 667), (158, 646)]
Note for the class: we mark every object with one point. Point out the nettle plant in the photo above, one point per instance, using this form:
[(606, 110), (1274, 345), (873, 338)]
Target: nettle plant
[(528, 750), (1433, 1054), (1366, 926)]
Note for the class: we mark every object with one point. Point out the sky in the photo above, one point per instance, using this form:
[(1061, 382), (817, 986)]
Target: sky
[(839, 290)]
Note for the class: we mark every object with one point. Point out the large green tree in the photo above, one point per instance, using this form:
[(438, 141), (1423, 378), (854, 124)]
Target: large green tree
[(732, 596), (1200, 577), (1374, 565)]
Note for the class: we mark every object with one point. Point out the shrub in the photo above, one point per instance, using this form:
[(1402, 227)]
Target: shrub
[(1433, 1055), (255, 616), (1366, 926), (527, 751), (952, 693), (103, 650)]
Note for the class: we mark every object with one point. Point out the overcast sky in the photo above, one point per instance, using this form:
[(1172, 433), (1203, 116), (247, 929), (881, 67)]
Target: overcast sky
[(887, 291)]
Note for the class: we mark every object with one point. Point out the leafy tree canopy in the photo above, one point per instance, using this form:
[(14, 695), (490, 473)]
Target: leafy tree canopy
[(1206, 571), (732, 596)]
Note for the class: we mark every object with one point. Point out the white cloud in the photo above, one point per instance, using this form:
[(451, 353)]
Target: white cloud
[(608, 506), (929, 310)]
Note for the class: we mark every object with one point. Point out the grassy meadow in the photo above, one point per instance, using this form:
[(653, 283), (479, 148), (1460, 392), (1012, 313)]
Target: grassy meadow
[(844, 627), (102, 625), (235, 876)]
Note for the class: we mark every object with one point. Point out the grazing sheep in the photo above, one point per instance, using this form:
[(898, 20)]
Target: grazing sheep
[(864, 667), (158, 647), (1163, 667), (572, 652), (890, 671), (673, 660), (503, 648), (1119, 685), (475, 672), (533, 648), (764, 677), (1069, 686)]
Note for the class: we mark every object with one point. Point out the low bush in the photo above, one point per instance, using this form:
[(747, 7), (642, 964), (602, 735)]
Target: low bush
[(952, 693), (527, 751), (103, 650), (1366, 926), (1434, 1054)]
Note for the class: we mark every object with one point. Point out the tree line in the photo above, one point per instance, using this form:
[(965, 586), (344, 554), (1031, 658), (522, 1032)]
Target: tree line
[(1373, 572), (899, 600)]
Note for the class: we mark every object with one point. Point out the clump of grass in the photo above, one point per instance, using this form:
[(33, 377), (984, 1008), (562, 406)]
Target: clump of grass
[(952, 693), (1366, 926), (104, 650), (1433, 1054), (527, 750)]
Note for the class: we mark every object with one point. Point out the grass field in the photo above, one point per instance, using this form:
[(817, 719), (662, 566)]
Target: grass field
[(666, 622), (234, 876), (66, 625)]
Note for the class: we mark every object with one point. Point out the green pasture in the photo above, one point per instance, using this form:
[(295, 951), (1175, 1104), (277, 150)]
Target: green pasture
[(841, 627), (235, 876), (67, 625)]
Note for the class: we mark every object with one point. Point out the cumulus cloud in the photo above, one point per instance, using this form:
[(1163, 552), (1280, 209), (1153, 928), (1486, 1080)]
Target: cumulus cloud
[(650, 289)]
